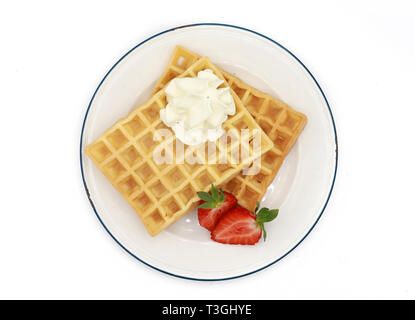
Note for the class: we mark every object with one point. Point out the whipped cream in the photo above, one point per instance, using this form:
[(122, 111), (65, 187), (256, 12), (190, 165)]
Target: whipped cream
[(196, 108)]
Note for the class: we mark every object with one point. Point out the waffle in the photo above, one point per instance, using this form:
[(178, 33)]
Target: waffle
[(161, 194), (278, 120)]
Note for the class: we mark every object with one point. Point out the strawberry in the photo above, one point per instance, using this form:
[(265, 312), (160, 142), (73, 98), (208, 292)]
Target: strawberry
[(241, 226), (213, 206)]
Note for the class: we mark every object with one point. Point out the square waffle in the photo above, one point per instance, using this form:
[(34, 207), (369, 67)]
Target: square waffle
[(278, 120), (161, 194)]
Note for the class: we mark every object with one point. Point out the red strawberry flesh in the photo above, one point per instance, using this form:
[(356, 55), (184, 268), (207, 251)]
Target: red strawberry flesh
[(237, 226), (208, 218)]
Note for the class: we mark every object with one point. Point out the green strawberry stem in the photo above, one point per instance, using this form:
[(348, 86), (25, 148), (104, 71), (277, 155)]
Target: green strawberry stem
[(264, 215)]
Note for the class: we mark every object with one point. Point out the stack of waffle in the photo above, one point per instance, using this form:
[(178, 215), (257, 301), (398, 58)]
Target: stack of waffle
[(163, 193)]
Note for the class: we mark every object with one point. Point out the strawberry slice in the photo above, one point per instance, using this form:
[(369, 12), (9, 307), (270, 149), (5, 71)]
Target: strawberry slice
[(213, 206), (241, 226)]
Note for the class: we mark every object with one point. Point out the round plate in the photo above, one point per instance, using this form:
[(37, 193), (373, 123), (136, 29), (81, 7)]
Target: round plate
[(300, 190)]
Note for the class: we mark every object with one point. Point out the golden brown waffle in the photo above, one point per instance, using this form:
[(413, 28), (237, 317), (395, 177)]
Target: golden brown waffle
[(278, 120), (161, 194)]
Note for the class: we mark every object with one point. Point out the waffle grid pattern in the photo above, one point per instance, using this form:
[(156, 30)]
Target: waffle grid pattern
[(279, 121), (161, 194)]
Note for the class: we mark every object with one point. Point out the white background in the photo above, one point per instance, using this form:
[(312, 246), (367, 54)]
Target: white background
[(52, 57)]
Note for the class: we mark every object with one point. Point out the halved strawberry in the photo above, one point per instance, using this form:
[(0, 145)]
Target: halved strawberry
[(213, 206), (241, 226)]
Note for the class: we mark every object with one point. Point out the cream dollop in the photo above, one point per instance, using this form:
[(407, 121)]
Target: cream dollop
[(196, 108)]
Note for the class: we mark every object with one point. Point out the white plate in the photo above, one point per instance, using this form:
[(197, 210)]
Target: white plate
[(300, 190)]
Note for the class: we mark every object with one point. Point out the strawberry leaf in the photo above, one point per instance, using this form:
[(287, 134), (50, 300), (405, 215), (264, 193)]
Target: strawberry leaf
[(222, 196), (207, 205), (214, 192), (205, 196), (213, 200), (266, 215)]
